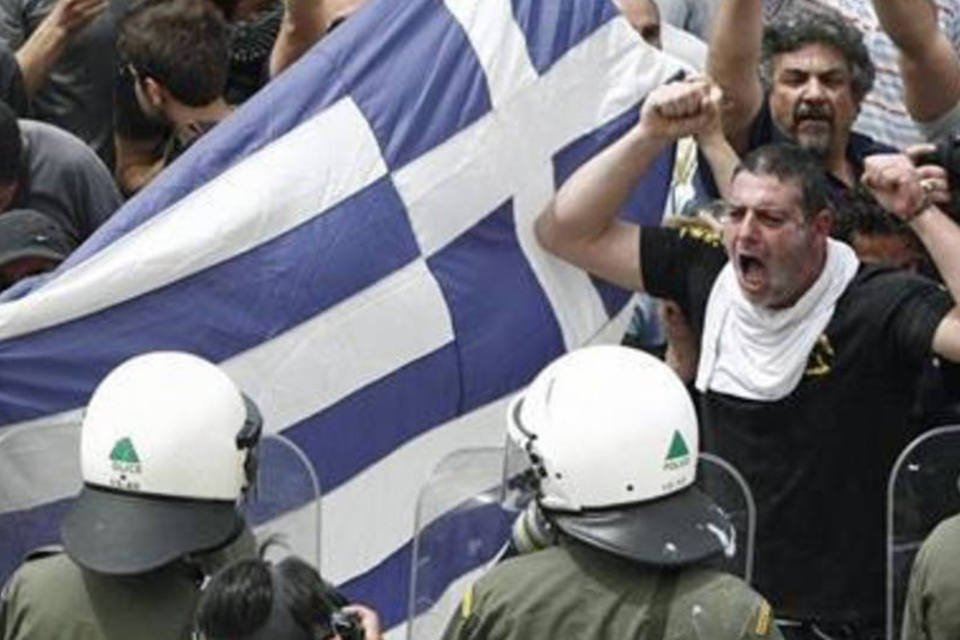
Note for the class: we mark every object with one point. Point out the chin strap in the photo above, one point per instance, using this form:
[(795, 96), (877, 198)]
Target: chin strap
[(532, 530)]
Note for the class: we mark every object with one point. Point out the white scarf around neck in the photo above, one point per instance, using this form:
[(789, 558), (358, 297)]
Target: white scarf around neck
[(756, 353)]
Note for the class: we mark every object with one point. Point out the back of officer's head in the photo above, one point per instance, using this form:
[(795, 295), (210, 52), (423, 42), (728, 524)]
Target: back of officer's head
[(259, 600), (166, 452), (611, 436)]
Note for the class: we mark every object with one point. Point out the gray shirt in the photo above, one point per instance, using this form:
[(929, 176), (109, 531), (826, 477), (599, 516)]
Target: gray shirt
[(65, 179), (78, 95)]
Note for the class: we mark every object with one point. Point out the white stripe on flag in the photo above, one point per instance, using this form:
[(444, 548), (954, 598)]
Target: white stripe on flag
[(445, 178), (313, 167), (345, 348), (499, 44)]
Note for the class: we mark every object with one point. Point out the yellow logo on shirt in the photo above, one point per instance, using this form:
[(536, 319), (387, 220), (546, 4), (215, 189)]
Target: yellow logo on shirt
[(763, 619), (704, 235), (820, 362)]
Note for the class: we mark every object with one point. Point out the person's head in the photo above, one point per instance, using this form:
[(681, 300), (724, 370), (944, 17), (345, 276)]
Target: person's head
[(644, 16), (816, 70), (611, 436), (11, 155), (776, 225), (878, 236), (259, 600), (30, 243), (176, 50), (167, 449)]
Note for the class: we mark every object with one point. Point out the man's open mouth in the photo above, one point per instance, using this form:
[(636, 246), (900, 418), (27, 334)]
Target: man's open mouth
[(752, 270)]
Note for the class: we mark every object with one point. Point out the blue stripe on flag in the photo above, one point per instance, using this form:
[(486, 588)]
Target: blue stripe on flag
[(574, 21), (449, 88), (483, 273), (232, 307), (370, 423)]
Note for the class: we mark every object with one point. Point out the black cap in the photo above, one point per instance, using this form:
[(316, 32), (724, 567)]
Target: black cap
[(25, 233), (673, 531)]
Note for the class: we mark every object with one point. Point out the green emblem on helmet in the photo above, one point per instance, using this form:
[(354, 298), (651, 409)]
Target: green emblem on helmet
[(679, 454), (124, 451), (124, 459)]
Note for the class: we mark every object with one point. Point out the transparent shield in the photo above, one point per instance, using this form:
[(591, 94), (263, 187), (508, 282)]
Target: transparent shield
[(39, 476), (727, 487), (462, 524), (286, 500), (922, 490)]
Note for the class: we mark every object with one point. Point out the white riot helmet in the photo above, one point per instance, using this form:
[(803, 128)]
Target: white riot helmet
[(166, 452), (611, 434)]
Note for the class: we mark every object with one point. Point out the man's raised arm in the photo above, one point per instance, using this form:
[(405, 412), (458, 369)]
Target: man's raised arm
[(732, 62), (929, 64), (581, 224), (909, 193)]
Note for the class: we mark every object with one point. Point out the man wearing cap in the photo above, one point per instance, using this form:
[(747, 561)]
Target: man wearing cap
[(611, 437), (167, 448), (30, 243)]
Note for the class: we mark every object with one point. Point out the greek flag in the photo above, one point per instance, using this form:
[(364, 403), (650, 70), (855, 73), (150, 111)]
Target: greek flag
[(355, 247)]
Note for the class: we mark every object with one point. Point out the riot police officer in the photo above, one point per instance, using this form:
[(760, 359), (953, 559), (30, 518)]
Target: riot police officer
[(611, 437), (167, 449)]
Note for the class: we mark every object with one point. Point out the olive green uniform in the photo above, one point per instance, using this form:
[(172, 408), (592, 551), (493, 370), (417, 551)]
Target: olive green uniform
[(52, 598), (933, 602), (574, 592)]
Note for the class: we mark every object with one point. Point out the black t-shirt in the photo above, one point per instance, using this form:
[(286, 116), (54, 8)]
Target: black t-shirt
[(817, 461)]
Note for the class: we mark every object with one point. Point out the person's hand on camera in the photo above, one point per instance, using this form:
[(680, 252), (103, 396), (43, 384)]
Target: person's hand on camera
[(368, 618)]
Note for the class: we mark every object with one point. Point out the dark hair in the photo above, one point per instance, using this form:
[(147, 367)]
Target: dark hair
[(285, 601), (805, 25), (861, 213), (182, 44), (11, 145), (791, 163)]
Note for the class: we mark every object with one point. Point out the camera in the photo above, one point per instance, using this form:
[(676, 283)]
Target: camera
[(346, 625)]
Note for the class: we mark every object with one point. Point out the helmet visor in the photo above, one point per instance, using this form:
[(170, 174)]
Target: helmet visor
[(675, 530), (118, 533)]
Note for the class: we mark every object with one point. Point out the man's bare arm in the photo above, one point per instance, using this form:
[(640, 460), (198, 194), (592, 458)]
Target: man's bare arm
[(719, 153), (304, 23), (929, 64), (49, 40), (581, 224), (898, 187), (732, 62)]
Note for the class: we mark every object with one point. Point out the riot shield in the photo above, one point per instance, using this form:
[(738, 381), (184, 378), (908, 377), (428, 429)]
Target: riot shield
[(39, 475), (729, 489), (466, 510), (462, 523), (922, 491), (285, 502)]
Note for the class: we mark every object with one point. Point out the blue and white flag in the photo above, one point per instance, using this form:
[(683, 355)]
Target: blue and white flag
[(355, 246)]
